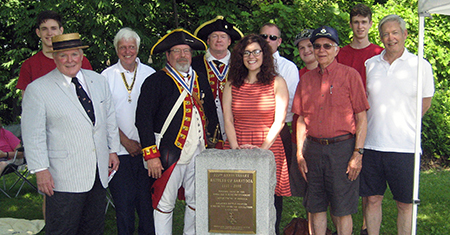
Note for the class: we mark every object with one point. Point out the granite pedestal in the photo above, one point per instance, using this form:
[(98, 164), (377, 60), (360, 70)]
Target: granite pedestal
[(235, 187)]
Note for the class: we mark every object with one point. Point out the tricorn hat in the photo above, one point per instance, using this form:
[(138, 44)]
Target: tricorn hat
[(218, 24), (66, 42), (325, 32), (177, 37)]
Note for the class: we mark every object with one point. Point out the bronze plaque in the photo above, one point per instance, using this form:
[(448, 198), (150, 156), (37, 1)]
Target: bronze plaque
[(232, 201)]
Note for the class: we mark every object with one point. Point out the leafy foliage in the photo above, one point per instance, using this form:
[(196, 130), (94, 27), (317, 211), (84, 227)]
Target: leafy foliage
[(98, 21), (436, 122)]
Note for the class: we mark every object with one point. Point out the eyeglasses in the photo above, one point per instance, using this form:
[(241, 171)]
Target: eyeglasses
[(326, 46), (254, 52), (177, 51), (271, 37)]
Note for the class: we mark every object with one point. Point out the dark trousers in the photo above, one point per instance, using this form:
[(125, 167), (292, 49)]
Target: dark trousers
[(285, 135), (76, 213), (130, 189), (279, 209), (286, 138)]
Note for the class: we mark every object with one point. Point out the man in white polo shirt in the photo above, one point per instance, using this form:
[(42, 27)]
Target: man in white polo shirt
[(390, 141)]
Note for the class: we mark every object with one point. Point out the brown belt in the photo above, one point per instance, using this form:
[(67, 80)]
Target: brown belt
[(327, 141)]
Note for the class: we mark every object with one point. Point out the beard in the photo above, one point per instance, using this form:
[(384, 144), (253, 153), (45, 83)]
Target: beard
[(183, 67)]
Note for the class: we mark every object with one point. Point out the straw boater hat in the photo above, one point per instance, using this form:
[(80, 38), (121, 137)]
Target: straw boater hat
[(66, 42), (177, 37), (218, 24)]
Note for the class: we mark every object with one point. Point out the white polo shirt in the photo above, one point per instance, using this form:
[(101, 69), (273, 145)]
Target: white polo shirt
[(126, 111), (391, 90)]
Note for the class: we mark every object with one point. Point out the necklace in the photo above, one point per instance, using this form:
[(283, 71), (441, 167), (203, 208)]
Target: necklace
[(129, 87)]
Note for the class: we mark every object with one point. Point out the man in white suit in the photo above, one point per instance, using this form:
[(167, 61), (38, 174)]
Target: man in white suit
[(71, 142)]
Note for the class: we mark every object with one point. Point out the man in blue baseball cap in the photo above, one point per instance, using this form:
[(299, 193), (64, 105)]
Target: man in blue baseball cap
[(331, 129)]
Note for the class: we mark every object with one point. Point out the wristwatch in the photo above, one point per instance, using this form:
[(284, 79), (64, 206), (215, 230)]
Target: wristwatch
[(359, 150)]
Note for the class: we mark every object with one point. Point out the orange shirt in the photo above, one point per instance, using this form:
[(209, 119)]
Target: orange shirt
[(329, 101)]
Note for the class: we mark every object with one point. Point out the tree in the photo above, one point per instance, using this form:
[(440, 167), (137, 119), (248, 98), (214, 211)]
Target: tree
[(98, 21)]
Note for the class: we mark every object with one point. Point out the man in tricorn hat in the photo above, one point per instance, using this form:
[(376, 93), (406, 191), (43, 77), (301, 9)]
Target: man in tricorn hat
[(218, 34), (331, 104), (173, 110), (71, 137)]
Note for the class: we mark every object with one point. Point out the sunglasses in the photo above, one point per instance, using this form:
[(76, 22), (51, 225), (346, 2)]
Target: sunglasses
[(326, 46), (271, 37)]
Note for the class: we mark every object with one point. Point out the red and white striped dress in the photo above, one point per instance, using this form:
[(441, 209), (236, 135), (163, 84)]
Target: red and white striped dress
[(253, 107)]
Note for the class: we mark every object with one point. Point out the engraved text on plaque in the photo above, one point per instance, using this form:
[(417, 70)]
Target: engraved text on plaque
[(232, 201)]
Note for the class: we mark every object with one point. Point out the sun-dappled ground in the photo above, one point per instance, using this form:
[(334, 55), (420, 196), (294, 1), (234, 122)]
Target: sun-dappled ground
[(433, 212)]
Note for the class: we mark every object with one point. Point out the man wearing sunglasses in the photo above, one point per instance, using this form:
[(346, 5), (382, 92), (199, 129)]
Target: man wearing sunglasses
[(331, 129), (360, 49), (289, 71)]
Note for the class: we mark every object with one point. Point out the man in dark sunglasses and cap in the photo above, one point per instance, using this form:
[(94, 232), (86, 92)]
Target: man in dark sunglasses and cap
[(289, 71), (219, 34), (172, 113), (331, 129)]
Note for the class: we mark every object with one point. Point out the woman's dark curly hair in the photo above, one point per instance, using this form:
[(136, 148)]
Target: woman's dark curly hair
[(238, 71)]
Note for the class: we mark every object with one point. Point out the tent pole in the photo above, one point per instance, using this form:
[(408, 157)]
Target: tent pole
[(418, 150)]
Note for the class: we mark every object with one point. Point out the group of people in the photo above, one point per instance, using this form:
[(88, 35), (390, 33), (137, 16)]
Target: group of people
[(81, 128), (355, 128)]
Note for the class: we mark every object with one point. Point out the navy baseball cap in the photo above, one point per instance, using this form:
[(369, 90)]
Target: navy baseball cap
[(325, 32)]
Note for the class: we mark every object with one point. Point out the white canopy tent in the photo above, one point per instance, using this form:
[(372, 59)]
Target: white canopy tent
[(426, 8)]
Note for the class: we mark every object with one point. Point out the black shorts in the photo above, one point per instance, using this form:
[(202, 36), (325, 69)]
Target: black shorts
[(328, 182), (397, 169)]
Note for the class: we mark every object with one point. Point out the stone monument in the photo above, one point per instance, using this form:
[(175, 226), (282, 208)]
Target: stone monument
[(235, 192)]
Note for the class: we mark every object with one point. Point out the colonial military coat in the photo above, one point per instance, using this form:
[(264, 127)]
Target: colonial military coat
[(159, 94)]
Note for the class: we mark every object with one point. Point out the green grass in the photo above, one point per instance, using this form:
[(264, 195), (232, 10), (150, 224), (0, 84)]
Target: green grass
[(433, 212)]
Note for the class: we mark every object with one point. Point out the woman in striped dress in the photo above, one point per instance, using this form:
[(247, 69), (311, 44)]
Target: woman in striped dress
[(254, 105)]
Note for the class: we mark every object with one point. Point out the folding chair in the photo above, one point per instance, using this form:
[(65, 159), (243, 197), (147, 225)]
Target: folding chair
[(109, 200), (18, 167)]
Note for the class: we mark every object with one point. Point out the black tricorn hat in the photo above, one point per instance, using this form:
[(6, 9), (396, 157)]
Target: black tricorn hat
[(64, 42), (178, 37), (218, 24)]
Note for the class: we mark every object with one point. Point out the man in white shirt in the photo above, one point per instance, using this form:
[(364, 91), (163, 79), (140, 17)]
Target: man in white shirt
[(289, 71), (390, 141), (130, 186)]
